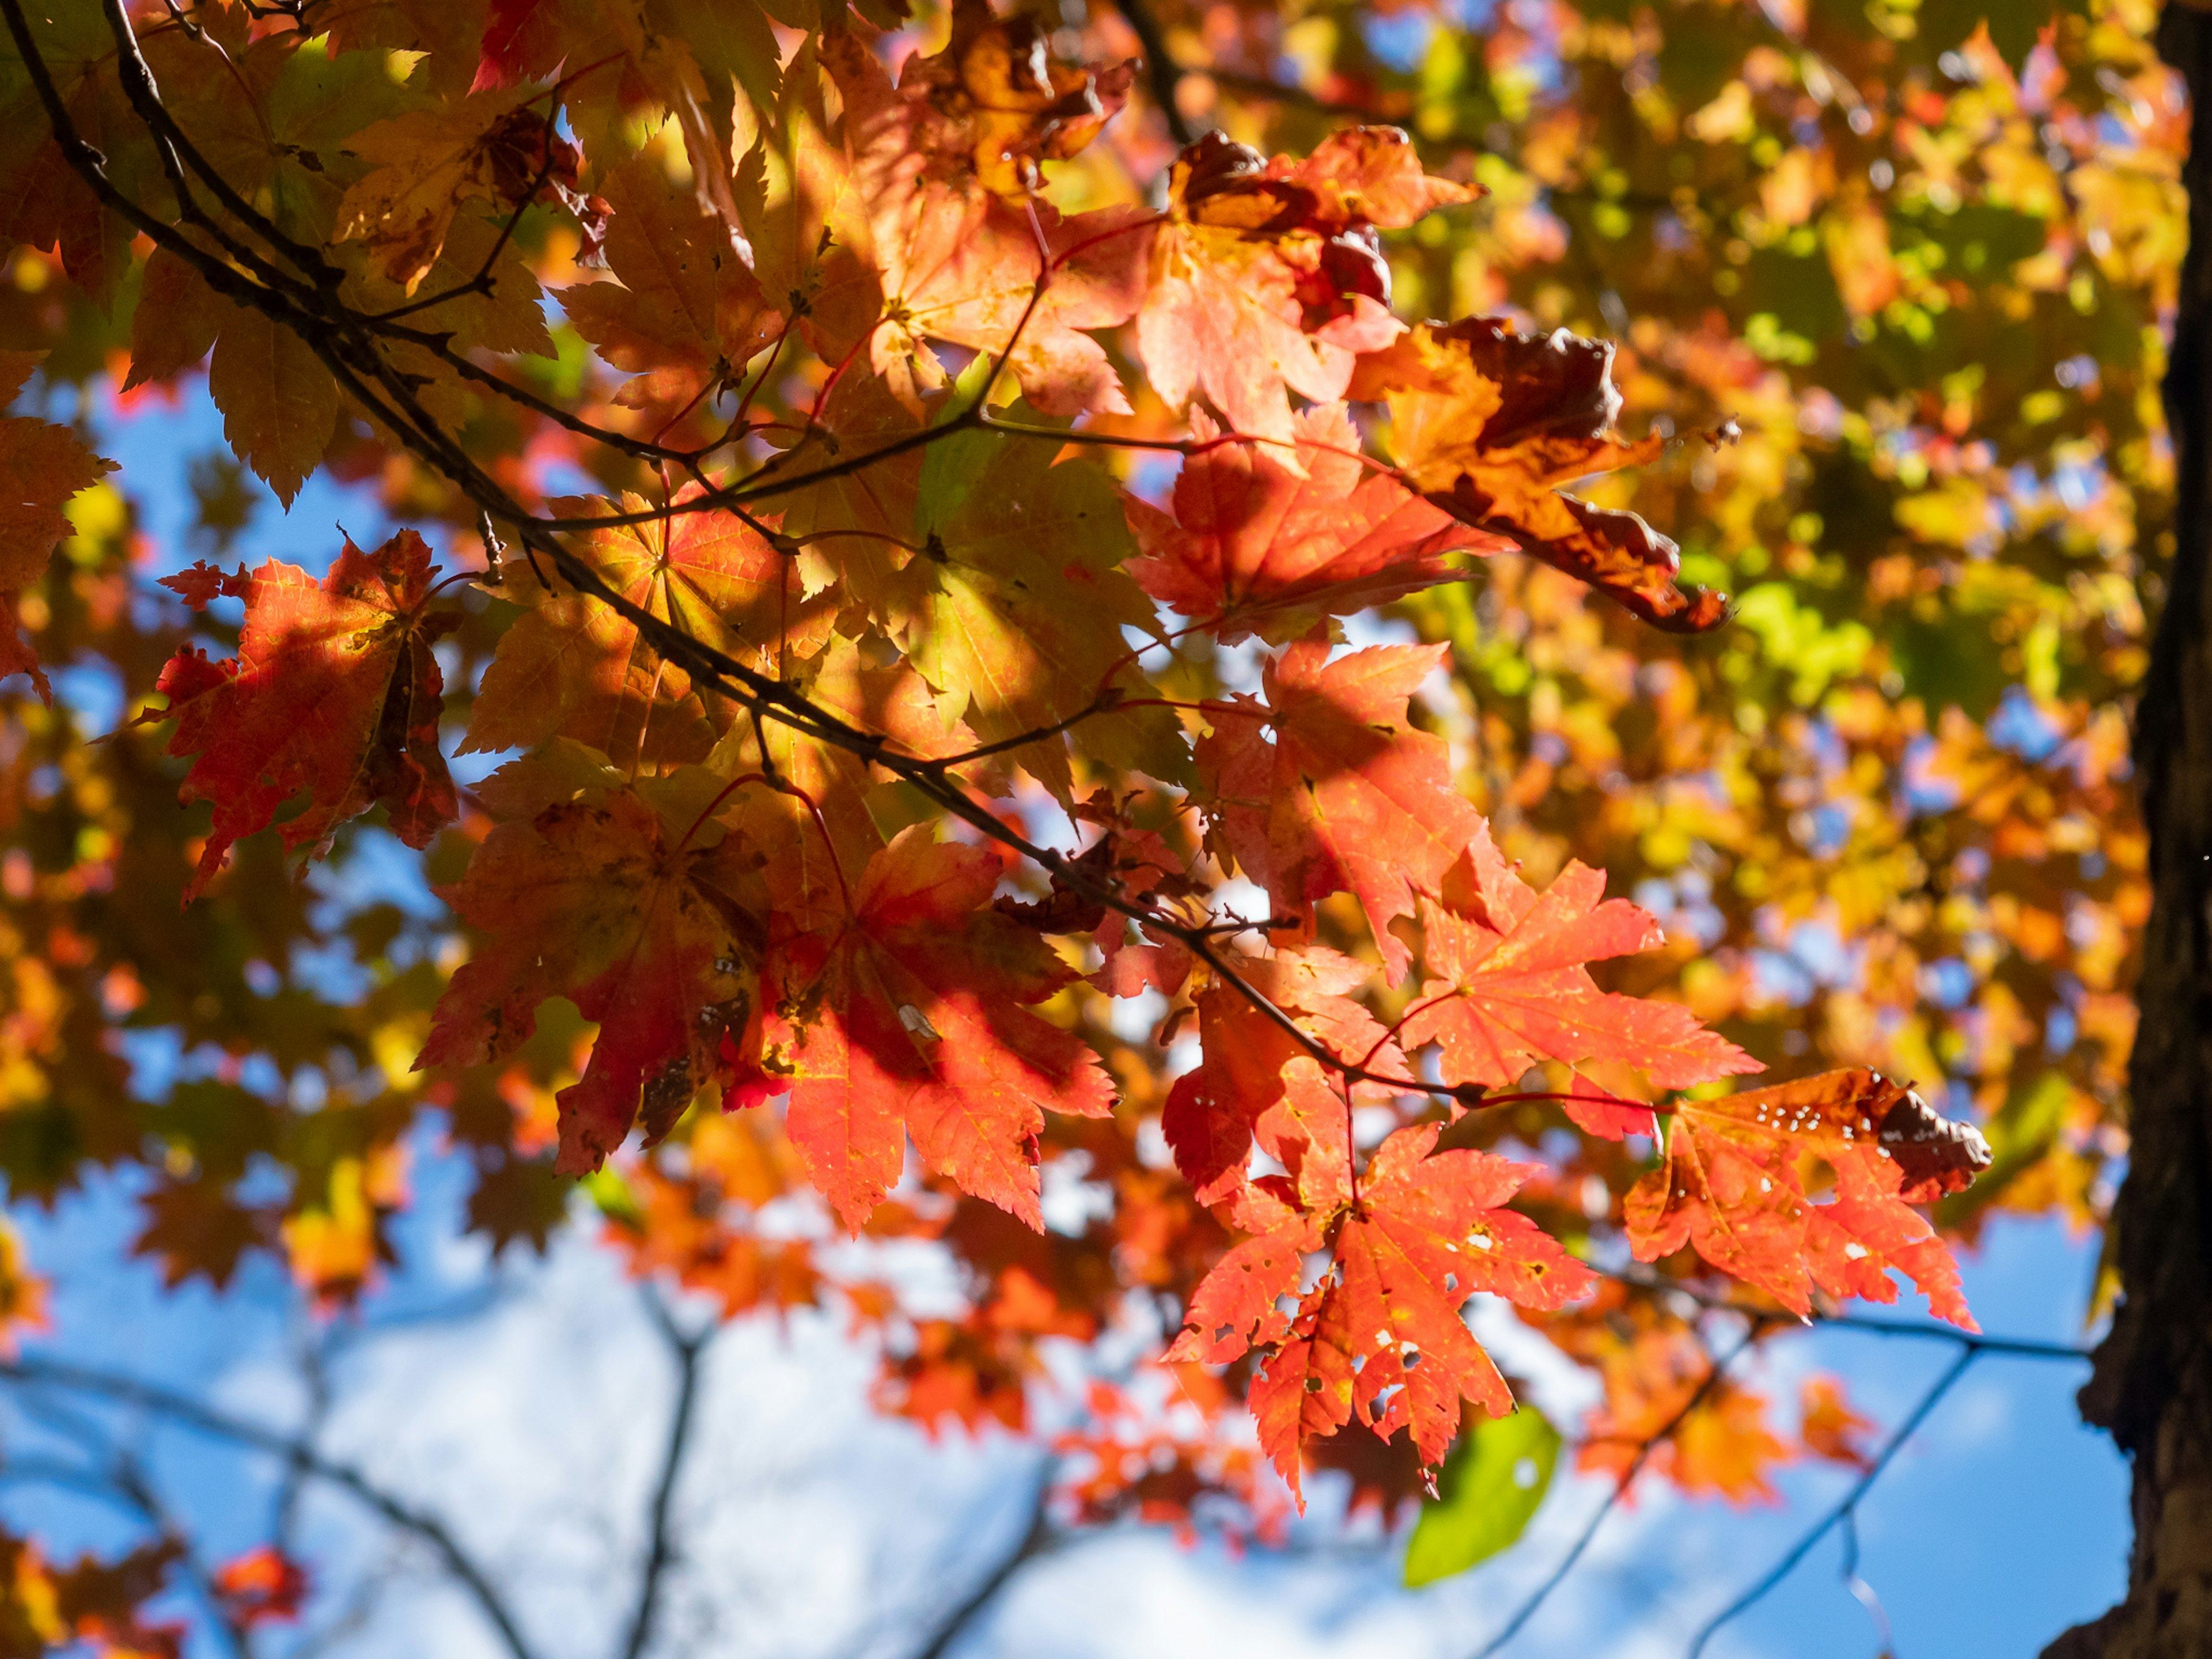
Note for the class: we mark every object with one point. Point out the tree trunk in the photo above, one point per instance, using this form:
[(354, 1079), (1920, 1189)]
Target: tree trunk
[(2152, 1386)]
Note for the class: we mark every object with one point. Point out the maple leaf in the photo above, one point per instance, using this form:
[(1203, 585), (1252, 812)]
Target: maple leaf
[(1828, 1425), (1732, 1184), (600, 894), (199, 1227), (573, 665), (203, 584), (425, 163), (1023, 609), (956, 263), (688, 313), (280, 406), (334, 691), (1380, 1336), (1268, 274), (1212, 1110), (1490, 423), (998, 103), (1254, 546), (908, 1009), (1349, 797), (1511, 986), (41, 466), (263, 1586)]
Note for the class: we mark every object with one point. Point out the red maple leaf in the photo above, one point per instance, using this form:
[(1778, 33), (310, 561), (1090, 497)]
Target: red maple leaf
[(1213, 1109), (1379, 1337), (1511, 986), (1733, 1184), (1256, 547), (1349, 797), (903, 1012), (334, 691), (603, 894)]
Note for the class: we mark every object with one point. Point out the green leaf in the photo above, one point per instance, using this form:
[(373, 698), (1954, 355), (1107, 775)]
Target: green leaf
[(1489, 1488)]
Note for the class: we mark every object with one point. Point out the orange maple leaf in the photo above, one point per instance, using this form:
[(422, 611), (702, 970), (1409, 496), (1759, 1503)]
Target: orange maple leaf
[(903, 1012), (1733, 1184), (574, 666), (41, 466), (334, 691), (1256, 547), (959, 263), (263, 1586), (688, 313), (1349, 797), (1379, 1337), (1268, 275), (1511, 985)]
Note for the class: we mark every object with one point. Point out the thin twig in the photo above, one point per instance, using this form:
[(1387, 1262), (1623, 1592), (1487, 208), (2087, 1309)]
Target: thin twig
[(191, 1413), (661, 1553), (1037, 1538), (1717, 1369), (1161, 69), (1782, 1569)]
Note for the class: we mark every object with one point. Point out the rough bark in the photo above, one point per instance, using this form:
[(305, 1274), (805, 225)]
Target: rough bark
[(2152, 1386)]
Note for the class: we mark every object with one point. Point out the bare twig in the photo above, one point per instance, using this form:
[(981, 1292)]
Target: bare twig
[(188, 1413), (686, 1348), (1038, 1539), (1161, 69), (1844, 1511), (1542, 1593)]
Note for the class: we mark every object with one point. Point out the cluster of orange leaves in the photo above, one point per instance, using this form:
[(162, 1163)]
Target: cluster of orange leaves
[(749, 914)]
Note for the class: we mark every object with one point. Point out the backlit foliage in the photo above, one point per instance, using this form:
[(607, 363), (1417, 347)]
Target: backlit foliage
[(965, 670)]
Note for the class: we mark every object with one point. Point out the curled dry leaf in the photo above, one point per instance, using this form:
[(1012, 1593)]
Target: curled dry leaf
[(1491, 423)]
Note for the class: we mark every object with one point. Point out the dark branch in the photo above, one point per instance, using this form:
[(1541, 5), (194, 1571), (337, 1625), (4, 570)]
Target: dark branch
[(191, 1413), (660, 1552), (1160, 66)]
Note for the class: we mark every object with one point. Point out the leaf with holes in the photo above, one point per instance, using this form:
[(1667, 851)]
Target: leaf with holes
[(1733, 1184)]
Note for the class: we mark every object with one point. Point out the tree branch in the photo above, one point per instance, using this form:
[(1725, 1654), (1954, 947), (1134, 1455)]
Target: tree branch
[(191, 1413), (660, 1552), (1039, 1537), (1161, 69), (1542, 1593), (1843, 1511), (347, 343)]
